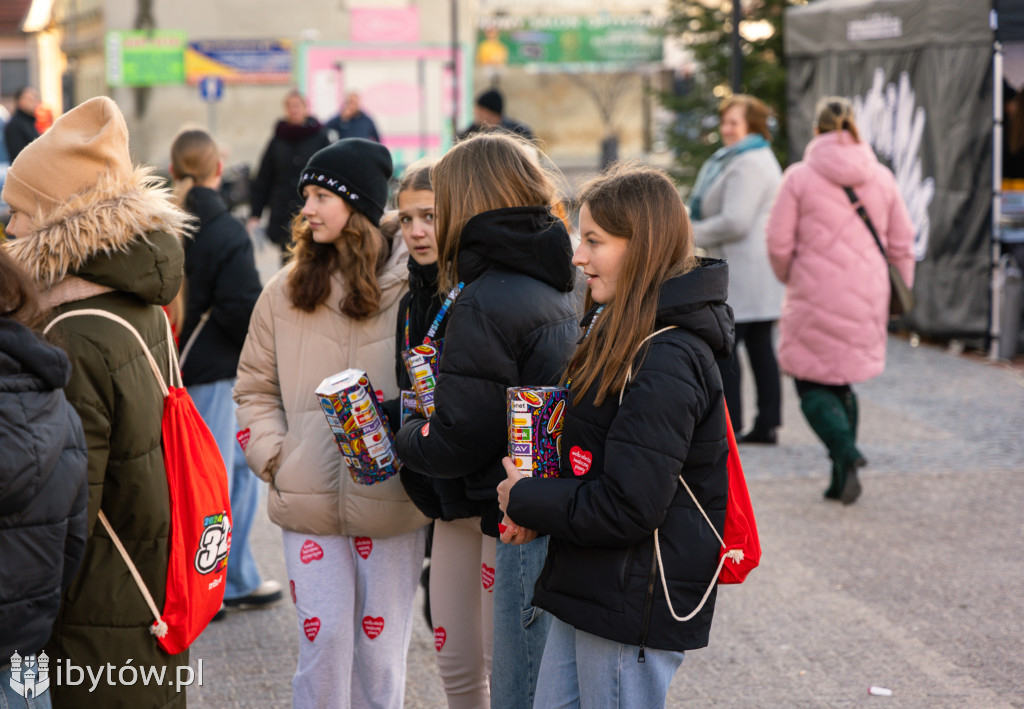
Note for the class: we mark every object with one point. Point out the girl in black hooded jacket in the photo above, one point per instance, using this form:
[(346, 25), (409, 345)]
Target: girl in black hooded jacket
[(513, 324), (461, 575), (645, 407)]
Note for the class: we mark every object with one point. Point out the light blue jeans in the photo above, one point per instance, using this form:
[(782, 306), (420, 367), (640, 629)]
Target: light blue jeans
[(215, 405), (10, 699), (583, 670), (520, 628)]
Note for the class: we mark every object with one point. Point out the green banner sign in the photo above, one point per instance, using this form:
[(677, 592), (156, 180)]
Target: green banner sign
[(569, 39), (143, 58)]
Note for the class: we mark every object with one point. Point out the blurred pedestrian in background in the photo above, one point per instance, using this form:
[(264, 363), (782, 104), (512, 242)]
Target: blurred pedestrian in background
[(354, 552), (489, 114), (21, 129), (352, 122), (43, 491), (221, 288), (729, 206), (97, 233), (296, 137), (836, 312)]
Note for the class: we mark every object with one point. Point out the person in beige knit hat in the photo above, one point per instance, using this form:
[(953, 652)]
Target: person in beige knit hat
[(95, 232)]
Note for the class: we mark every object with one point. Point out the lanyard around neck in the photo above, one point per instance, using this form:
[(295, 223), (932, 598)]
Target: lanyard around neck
[(438, 319)]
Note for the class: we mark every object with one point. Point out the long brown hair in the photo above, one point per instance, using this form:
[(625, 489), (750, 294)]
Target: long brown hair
[(19, 298), (487, 171), (358, 254), (640, 204)]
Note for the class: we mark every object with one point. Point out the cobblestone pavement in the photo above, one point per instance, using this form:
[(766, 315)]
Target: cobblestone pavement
[(916, 588)]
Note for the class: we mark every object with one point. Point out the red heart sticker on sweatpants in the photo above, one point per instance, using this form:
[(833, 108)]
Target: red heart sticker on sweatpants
[(243, 439), (311, 551), (312, 627), (373, 626), (580, 460), (439, 638), (364, 545), (487, 576)]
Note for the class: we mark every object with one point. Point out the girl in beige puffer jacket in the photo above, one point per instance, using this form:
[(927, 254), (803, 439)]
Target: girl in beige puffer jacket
[(353, 551)]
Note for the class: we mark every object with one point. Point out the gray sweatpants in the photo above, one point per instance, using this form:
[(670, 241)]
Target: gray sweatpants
[(354, 601)]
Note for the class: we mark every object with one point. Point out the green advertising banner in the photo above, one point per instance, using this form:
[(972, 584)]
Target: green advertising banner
[(620, 40), (146, 58)]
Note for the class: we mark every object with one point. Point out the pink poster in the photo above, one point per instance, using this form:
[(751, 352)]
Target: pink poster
[(389, 25)]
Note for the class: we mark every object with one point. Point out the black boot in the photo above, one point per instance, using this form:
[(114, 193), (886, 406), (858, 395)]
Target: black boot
[(828, 417)]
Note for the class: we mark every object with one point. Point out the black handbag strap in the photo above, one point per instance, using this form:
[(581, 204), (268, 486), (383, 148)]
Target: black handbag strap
[(855, 201)]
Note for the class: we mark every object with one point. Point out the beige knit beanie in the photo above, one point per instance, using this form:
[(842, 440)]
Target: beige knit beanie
[(69, 158)]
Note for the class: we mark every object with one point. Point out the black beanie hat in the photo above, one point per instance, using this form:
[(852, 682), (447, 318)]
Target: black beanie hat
[(355, 169), (492, 101)]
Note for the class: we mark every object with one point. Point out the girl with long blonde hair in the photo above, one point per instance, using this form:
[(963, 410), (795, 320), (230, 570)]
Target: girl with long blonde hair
[(513, 324)]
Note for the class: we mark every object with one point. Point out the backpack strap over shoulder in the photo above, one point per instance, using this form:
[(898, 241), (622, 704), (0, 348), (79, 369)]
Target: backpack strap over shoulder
[(733, 554), (159, 626), (174, 375)]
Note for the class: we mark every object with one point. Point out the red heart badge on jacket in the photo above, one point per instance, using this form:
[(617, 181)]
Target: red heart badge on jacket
[(243, 439), (440, 636), (487, 577), (425, 431), (311, 626), (580, 460), (373, 626), (311, 551), (364, 545)]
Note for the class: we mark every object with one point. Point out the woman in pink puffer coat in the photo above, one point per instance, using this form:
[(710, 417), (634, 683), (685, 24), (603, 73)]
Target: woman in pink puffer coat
[(833, 327)]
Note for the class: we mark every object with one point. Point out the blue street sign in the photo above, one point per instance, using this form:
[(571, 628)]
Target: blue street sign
[(211, 88)]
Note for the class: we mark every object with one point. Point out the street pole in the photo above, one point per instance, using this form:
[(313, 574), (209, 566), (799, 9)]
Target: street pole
[(737, 55), (455, 68)]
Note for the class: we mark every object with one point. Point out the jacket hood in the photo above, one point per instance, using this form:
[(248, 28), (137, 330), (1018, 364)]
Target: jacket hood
[(293, 133), (695, 301), (205, 204), (28, 362), (530, 240), (841, 160), (104, 234)]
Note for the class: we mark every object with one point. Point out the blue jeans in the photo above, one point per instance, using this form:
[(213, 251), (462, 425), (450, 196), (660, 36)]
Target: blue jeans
[(215, 405), (583, 670), (10, 699), (520, 628)]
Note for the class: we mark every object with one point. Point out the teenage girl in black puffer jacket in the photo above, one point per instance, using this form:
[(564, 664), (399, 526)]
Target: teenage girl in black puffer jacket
[(646, 407), (43, 492)]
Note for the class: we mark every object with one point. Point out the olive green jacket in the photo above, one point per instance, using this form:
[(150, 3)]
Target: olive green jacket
[(124, 236)]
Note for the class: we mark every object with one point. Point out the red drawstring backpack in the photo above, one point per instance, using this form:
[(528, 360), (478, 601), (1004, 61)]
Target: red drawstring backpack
[(741, 547), (200, 509)]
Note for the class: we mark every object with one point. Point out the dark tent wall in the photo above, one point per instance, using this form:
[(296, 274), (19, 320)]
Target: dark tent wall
[(1011, 20), (920, 75)]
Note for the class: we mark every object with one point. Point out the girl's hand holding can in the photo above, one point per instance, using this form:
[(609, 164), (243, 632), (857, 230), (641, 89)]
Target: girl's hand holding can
[(511, 533), (514, 476)]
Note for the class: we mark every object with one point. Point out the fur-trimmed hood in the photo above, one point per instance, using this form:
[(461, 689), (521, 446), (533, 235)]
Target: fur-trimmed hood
[(121, 215)]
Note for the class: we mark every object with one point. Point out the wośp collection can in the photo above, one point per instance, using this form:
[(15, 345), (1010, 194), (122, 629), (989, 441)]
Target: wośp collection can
[(422, 364), (359, 426), (535, 428)]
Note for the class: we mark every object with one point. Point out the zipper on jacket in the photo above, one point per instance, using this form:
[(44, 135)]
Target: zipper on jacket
[(648, 602)]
